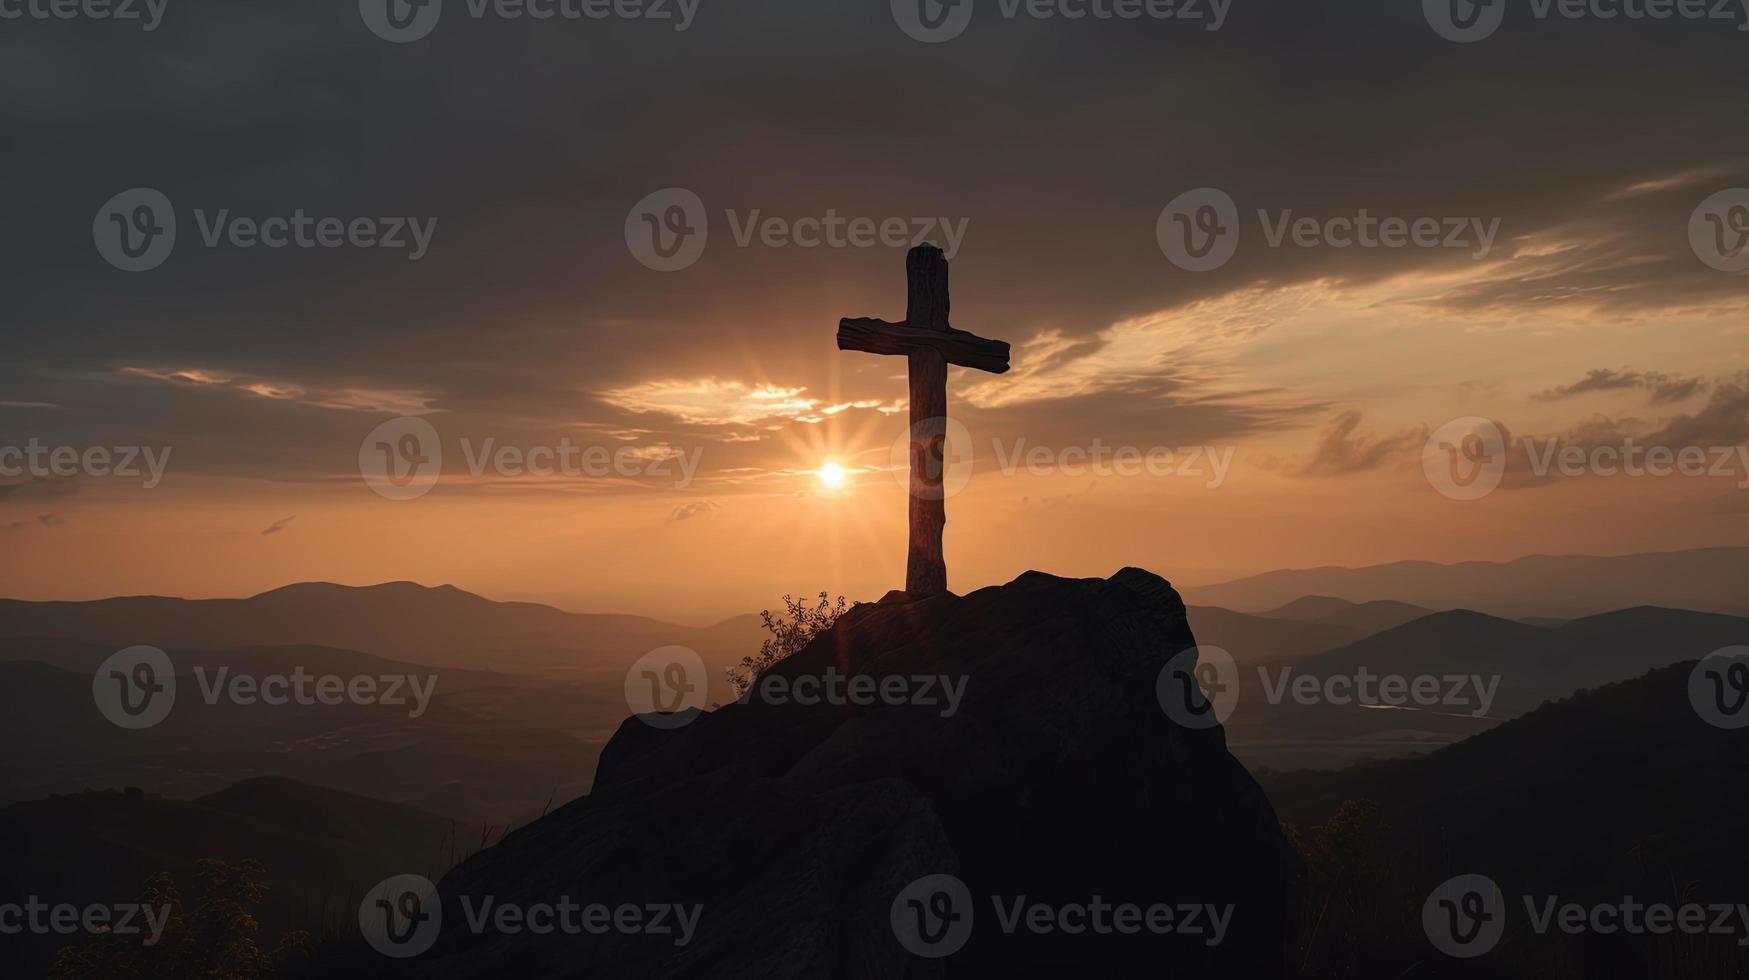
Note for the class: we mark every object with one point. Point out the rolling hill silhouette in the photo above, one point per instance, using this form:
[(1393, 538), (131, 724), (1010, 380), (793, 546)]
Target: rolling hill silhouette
[(1253, 638), (1365, 617), (488, 747), (442, 626), (1619, 791), (1708, 579), (319, 849)]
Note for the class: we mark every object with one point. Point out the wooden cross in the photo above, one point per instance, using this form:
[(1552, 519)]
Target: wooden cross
[(930, 345)]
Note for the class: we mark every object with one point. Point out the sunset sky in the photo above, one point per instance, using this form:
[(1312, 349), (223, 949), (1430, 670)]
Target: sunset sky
[(1316, 373)]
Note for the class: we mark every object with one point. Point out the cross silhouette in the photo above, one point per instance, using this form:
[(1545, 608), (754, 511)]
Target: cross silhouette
[(930, 345)]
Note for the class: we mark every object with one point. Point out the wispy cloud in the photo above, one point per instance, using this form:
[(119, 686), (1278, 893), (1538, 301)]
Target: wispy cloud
[(394, 401), (712, 401), (697, 508), (1195, 342), (1669, 182), (1663, 388), (1341, 448)]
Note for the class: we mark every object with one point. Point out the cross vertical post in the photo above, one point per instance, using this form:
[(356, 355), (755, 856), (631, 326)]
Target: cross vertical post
[(929, 344), (926, 305)]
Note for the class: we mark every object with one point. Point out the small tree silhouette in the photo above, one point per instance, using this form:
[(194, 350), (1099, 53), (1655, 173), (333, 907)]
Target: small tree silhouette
[(215, 941), (789, 633)]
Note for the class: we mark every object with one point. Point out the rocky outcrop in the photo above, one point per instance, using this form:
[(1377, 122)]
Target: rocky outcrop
[(1053, 788)]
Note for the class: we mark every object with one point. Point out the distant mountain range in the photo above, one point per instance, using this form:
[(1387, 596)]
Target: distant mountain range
[(1523, 666), (441, 627), (499, 742), (488, 747), (1368, 617), (1565, 586)]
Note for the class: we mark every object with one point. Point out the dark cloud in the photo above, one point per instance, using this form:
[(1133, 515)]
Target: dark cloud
[(1341, 448), (1059, 141), (1716, 429), (279, 525), (1662, 388), (696, 508), (39, 488)]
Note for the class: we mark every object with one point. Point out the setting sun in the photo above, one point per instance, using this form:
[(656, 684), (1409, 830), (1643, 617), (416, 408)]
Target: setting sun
[(831, 476)]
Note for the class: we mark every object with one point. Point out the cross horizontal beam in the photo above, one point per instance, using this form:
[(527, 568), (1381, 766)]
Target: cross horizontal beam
[(956, 346)]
